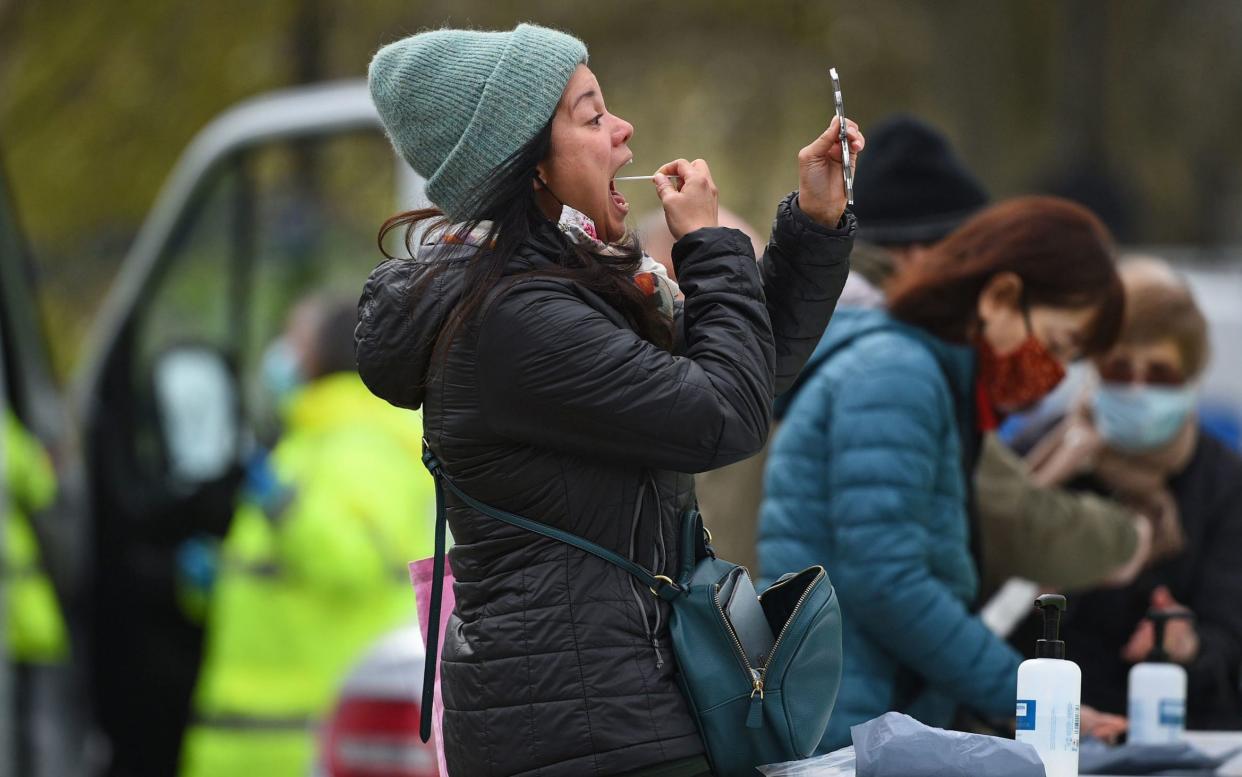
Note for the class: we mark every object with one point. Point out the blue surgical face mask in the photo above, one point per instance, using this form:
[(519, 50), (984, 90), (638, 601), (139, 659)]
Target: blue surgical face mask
[(1139, 418), (282, 375)]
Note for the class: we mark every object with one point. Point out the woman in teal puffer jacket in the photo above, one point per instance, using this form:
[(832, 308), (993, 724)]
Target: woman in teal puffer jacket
[(868, 473)]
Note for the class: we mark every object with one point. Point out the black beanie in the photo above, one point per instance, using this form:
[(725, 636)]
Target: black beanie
[(911, 187)]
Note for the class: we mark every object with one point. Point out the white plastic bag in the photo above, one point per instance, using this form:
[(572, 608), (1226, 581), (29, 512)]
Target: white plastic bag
[(896, 745), (838, 763)]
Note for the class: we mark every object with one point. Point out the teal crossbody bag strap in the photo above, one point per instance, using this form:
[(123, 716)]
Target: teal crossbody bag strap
[(660, 585)]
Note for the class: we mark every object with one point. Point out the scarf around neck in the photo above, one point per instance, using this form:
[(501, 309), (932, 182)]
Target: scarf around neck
[(651, 276)]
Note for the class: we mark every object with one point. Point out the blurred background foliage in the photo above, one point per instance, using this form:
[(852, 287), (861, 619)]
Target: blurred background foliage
[(1131, 105)]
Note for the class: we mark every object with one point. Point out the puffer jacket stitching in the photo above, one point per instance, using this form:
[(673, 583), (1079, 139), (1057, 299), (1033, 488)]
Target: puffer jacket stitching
[(637, 695), (586, 702), (682, 382), (573, 627), (639, 653), (530, 719)]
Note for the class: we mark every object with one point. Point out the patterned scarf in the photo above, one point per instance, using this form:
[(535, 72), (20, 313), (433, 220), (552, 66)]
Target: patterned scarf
[(651, 277)]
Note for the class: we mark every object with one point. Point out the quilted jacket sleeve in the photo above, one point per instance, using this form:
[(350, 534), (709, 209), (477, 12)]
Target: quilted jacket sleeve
[(804, 269), (886, 434), (557, 371)]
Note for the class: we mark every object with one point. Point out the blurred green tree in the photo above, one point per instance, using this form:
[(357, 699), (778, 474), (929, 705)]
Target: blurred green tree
[(1132, 102)]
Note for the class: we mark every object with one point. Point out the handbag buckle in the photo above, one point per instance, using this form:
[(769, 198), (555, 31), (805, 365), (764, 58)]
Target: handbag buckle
[(662, 579)]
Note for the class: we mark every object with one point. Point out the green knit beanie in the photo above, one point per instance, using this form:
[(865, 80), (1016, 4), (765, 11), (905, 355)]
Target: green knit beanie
[(458, 103)]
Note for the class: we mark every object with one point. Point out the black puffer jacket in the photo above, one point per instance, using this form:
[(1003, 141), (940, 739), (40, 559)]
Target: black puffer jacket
[(549, 406)]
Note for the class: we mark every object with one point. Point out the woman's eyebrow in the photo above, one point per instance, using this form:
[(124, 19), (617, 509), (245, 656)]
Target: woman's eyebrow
[(581, 97)]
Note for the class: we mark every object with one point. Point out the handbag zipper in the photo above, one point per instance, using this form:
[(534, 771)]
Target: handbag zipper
[(754, 716), (776, 645), (794, 613)]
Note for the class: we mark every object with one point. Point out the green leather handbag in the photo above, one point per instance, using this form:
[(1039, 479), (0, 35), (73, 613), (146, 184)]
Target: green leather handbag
[(751, 709)]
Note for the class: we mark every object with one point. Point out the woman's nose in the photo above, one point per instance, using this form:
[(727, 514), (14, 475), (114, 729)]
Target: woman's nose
[(623, 132)]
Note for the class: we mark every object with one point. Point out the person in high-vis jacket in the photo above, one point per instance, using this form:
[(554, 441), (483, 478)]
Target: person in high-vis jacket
[(35, 629), (313, 568), (35, 635)]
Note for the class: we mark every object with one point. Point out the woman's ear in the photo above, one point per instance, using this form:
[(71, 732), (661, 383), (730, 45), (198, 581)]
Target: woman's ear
[(1001, 294)]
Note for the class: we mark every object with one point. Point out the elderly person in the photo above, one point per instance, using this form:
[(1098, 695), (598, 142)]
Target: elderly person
[(1139, 440)]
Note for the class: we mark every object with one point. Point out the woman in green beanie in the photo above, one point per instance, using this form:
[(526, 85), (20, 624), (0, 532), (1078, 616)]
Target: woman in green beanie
[(560, 379)]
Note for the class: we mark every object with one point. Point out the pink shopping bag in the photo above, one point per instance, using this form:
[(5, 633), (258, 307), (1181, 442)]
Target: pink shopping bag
[(420, 577)]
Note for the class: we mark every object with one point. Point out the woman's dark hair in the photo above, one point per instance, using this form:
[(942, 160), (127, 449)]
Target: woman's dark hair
[(507, 200), (1061, 251)]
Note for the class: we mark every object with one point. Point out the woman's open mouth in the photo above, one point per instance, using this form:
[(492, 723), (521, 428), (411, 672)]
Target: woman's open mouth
[(618, 201)]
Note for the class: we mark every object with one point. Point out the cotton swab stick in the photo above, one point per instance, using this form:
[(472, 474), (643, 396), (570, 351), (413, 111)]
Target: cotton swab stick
[(676, 178)]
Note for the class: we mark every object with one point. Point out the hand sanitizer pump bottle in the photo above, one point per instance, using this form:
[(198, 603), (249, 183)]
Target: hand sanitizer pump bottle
[(1157, 692), (1049, 692)]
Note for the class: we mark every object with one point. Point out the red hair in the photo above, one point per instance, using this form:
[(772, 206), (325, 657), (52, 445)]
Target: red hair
[(1061, 251)]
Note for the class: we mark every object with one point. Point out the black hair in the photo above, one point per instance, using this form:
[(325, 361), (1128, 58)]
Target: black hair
[(507, 200)]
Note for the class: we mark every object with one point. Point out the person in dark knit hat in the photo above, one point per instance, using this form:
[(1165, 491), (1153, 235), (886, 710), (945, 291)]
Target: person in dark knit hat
[(913, 192), (914, 188), (561, 379)]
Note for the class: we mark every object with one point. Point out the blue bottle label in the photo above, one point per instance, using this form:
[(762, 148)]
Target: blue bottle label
[(1172, 712), (1026, 714)]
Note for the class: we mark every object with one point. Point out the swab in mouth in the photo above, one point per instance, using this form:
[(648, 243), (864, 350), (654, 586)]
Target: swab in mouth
[(674, 178), (617, 198)]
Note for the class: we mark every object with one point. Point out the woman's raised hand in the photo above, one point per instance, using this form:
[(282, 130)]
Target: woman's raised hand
[(821, 185), (691, 206)]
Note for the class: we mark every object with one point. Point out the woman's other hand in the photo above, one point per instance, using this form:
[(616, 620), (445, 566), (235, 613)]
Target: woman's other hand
[(821, 183), (691, 206), (1181, 639)]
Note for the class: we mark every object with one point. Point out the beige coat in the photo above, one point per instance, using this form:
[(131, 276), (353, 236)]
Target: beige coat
[(1057, 538)]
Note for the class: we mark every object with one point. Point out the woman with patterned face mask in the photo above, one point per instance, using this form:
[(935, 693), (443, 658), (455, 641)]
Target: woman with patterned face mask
[(869, 474), (1138, 440)]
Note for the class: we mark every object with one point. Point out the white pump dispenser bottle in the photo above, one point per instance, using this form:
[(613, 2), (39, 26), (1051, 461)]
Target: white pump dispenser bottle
[(1049, 693), (1157, 692)]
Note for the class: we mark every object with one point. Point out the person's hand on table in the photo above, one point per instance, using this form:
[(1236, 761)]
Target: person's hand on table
[(1103, 726), (1181, 640)]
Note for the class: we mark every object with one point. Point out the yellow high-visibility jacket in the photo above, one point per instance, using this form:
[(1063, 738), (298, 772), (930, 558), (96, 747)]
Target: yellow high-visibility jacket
[(308, 579), (35, 630)]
